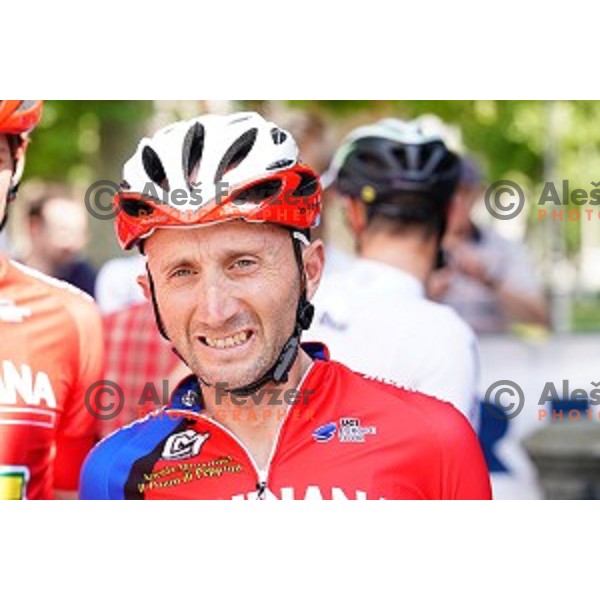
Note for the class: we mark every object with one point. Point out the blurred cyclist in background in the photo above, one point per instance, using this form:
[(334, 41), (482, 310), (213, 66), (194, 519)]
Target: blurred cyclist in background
[(58, 233), (374, 316), (140, 361), (50, 352), (116, 284), (488, 279), (231, 279), (315, 147)]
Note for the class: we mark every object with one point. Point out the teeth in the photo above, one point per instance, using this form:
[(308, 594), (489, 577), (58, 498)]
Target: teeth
[(228, 342)]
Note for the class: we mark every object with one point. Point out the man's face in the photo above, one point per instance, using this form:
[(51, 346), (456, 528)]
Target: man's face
[(6, 172), (228, 295), (62, 232)]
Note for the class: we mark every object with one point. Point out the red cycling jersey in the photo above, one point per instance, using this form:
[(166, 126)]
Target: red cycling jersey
[(344, 436), (50, 352)]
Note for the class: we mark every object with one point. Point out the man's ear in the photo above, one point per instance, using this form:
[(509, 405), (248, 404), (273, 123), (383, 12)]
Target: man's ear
[(356, 215), (145, 285), (314, 263)]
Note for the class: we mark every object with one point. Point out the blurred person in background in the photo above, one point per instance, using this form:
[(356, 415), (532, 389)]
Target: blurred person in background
[(140, 361), (314, 145), (374, 315), (50, 352), (310, 132), (116, 284), (58, 233), (489, 280)]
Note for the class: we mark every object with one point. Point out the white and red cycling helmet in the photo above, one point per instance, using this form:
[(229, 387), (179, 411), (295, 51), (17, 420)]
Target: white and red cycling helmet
[(212, 169)]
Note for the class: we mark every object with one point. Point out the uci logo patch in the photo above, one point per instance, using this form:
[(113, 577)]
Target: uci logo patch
[(325, 432), (184, 444), (352, 431)]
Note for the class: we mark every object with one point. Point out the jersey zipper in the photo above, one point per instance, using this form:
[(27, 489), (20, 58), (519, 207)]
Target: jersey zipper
[(262, 475)]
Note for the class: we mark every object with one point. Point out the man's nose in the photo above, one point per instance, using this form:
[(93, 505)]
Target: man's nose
[(216, 305)]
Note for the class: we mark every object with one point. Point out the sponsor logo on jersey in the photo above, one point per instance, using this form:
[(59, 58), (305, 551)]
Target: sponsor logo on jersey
[(11, 313), (13, 482), (184, 444), (313, 492), (176, 474), (26, 398), (325, 432), (351, 431)]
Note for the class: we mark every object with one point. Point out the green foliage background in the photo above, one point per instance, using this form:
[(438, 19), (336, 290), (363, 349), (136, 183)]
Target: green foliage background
[(79, 142)]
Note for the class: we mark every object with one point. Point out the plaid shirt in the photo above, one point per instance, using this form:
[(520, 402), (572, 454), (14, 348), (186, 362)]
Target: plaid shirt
[(139, 360)]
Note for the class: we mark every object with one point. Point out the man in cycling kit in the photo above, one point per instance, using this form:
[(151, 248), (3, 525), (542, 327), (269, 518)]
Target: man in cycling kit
[(50, 353), (231, 272), (397, 181)]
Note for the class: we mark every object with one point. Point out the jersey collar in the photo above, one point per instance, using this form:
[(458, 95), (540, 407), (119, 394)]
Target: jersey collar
[(187, 396)]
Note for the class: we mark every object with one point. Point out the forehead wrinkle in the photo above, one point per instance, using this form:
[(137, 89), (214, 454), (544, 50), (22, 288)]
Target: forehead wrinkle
[(217, 245)]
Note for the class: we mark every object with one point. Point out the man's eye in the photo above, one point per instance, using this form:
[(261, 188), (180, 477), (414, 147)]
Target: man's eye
[(244, 263), (180, 273)]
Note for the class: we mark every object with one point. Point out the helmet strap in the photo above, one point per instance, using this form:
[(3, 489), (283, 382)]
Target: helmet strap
[(17, 144), (157, 317)]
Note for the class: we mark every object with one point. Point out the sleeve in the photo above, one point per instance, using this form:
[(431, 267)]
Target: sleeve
[(94, 479), (464, 474), (452, 369), (77, 430)]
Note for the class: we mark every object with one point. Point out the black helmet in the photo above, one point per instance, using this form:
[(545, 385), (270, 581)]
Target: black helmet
[(391, 161)]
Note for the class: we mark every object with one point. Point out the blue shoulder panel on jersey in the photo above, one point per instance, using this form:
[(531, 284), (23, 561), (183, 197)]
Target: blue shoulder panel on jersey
[(187, 395), (107, 467), (316, 350)]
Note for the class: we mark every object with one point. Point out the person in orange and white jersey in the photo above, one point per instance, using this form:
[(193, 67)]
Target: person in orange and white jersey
[(51, 352)]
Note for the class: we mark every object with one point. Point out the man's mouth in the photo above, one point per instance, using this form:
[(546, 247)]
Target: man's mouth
[(231, 341)]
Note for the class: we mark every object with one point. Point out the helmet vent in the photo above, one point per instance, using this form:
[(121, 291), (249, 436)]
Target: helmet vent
[(258, 193), (280, 164), (370, 160), (236, 153), (193, 146), (154, 168), (239, 120), (307, 187), (136, 208), (278, 136)]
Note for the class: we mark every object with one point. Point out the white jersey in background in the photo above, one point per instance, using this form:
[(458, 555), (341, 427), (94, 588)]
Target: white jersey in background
[(116, 284), (336, 260), (375, 319)]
